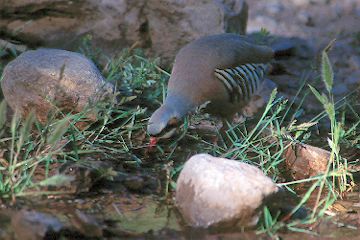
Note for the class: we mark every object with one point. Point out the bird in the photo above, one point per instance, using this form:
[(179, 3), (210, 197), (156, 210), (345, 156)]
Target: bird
[(222, 72)]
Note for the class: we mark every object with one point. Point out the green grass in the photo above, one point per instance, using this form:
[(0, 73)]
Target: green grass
[(29, 146), (26, 146), (336, 180)]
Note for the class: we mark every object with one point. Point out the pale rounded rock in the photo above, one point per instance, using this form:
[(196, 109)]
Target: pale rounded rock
[(214, 191), (46, 80)]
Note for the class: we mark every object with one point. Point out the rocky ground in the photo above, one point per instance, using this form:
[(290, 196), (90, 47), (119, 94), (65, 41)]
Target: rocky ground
[(318, 22), (123, 208)]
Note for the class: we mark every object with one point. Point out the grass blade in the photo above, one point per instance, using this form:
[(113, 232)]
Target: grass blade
[(327, 73), (59, 130)]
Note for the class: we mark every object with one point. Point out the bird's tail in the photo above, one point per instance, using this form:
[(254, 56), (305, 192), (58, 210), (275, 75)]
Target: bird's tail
[(283, 48)]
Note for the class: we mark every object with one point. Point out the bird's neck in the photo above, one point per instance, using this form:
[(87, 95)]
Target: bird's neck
[(179, 103)]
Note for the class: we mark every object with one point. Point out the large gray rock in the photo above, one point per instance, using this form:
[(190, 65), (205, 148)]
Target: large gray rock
[(215, 191), (41, 79), (161, 26)]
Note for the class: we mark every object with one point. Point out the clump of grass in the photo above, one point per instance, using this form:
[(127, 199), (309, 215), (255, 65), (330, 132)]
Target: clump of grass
[(29, 146), (25, 145), (117, 135), (329, 186), (134, 75), (337, 164)]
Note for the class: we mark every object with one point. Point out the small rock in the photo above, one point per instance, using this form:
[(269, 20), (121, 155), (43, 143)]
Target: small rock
[(37, 80), (214, 191), (32, 225), (304, 161)]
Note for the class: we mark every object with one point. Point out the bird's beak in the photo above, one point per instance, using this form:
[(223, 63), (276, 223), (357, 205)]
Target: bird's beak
[(168, 134)]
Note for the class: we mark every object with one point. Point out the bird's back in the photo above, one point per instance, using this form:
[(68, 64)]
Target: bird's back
[(224, 51), (195, 73)]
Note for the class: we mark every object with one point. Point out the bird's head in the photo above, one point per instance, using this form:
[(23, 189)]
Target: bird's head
[(164, 122)]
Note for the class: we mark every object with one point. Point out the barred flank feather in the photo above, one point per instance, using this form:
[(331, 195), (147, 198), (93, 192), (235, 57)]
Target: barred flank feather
[(241, 82)]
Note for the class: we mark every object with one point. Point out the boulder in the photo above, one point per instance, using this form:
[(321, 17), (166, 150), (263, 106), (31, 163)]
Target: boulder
[(47, 80), (214, 191), (161, 26)]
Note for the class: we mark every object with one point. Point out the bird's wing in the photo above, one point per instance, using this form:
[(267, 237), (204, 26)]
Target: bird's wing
[(234, 59), (241, 82)]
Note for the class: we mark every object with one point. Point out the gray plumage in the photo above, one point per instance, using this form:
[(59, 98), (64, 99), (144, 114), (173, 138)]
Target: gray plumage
[(225, 70)]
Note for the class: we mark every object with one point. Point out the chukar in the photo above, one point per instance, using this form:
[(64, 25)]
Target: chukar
[(226, 71)]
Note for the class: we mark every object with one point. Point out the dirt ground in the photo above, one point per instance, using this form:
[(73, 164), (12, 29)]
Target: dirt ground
[(317, 22), (135, 216)]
